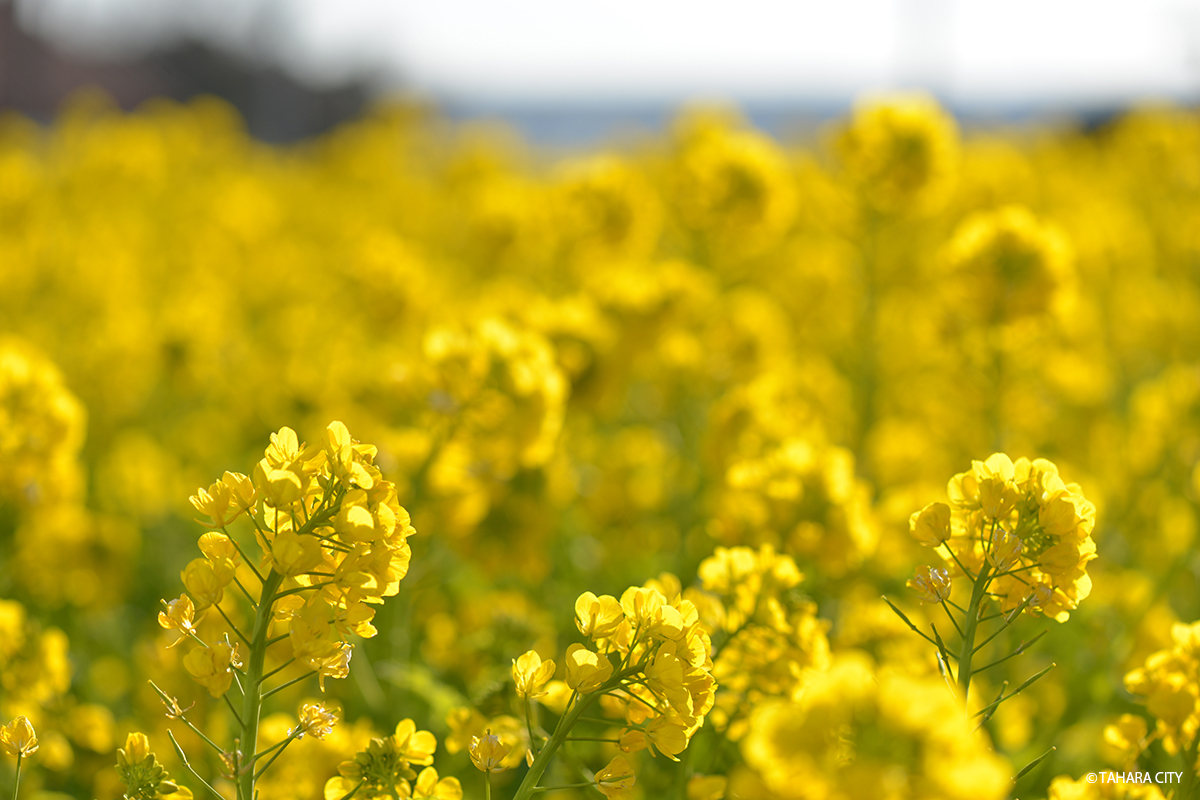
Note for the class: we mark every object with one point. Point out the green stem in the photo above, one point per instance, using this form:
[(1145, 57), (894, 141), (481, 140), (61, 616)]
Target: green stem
[(969, 625), (542, 760), (529, 725), (17, 780), (487, 785), (252, 703), (1189, 768)]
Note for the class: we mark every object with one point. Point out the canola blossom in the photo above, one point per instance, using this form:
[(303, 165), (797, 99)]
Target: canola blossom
[(415, 461)]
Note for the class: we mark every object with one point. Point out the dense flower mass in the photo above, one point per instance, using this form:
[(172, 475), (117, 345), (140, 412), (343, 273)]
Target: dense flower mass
[(1032, 532), (662, 414)]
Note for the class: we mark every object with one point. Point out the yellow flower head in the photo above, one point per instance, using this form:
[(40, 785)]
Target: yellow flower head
[(315, 720), (598, 617), (902, 151), (142, 775), (136, 750), (1005, 550), (414, 746), (586, 671), (18, 738), (178, 615), (206, 580), (428, 787), (931, 525), (215, 502), (530, 674), (212, 666), (1006, 264), (488, 753), (616, 779)]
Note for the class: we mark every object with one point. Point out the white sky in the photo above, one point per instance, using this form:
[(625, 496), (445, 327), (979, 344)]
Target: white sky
[(970, 50)]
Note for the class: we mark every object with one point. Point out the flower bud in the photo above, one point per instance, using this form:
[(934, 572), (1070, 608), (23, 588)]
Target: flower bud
[(932, 584)]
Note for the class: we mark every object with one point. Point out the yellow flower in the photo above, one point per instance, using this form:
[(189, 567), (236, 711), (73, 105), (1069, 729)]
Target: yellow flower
[(932, 584), (665, 675), (902, 151), (143, 777), (598, 617), (488, 753), (1005, 551), (136, 750), (931, 525), (315, 720), (428, 787), (586, 671), (616, 779), (211, 666), (241, 489), (215, 502), (18, 738), (1006, 264), (414, 746), (178, 615), (668, 734), (530, 674), (1125, 739), (206, 581), (347, 457), (220, 549), (294, 554), (336, 664)]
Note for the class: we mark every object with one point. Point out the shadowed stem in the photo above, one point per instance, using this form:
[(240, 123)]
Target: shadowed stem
[(969, 627), (252, 703)]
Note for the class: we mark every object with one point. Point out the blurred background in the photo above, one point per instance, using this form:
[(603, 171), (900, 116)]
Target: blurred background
[(574, 73)]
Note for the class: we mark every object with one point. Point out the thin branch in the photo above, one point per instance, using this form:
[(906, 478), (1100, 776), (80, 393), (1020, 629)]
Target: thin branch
[(1008, 620), (283, 686), (908, 622), (245, 591), (188, 765), (240, 635), (994, 706), (1021, 648), (233, 710), (952, 619), (271, 760), (1016, 691), (280, 667), (1025, 769)]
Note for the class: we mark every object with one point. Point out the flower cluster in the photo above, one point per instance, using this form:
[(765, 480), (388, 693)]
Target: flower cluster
[(652, 655), (325, 520), (386, 768), (41, 429), (1169, 684), (773, 637), (143, 776), (1018, 523), (855, 728), (334, 544)]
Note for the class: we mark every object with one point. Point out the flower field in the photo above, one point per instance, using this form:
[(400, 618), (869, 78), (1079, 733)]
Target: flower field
[(418, 462)]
